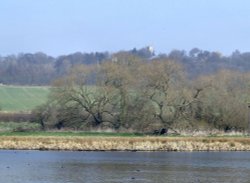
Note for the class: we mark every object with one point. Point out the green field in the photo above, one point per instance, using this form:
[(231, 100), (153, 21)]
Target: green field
[(22, 98)]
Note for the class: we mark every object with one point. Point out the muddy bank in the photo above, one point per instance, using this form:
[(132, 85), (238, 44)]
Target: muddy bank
[(126, 143)]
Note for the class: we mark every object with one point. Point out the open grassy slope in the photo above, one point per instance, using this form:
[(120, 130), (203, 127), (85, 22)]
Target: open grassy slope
[(22, 98)]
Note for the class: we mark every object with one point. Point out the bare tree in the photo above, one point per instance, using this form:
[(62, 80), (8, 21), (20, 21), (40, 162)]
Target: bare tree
[(79, 103), (165, 86), (223, 103), (120, 75)]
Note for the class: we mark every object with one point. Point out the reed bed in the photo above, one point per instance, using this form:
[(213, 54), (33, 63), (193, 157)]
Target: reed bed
[(126, 143)]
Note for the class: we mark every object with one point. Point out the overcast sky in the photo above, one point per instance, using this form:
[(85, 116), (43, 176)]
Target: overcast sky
[(67, 26)]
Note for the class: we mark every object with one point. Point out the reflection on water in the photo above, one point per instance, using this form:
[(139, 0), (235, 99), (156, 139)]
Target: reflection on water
[(122, 167)]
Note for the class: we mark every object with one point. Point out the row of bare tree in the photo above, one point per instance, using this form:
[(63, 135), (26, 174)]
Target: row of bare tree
[(141, 95)]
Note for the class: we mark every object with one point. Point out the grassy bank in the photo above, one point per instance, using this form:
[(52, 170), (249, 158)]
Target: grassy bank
[(91, 142), (13, 127), (68, 134)]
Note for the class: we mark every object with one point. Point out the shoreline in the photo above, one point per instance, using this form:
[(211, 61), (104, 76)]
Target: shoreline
[(188, 144)]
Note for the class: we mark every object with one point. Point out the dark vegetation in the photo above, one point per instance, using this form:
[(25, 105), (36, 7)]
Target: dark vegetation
[(137, 90), (16, 117)]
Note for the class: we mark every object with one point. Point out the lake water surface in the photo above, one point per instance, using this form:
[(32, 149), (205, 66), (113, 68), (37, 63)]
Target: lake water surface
[(117, 167)]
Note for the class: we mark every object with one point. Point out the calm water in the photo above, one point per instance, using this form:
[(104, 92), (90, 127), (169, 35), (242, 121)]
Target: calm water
[(115, 167)]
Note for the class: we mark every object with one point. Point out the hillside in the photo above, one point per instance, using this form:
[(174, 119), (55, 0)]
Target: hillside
[(22, 98)]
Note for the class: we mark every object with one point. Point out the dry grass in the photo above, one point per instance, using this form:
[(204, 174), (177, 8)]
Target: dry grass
[(126, 143)]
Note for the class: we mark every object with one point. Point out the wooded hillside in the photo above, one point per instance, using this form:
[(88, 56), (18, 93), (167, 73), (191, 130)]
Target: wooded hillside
[(42, 69)]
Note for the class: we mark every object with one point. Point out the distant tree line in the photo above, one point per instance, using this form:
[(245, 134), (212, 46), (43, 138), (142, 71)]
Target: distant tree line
[(128, 92), (42, 69)]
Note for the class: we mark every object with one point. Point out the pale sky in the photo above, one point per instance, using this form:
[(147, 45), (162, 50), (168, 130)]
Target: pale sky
[(58, 27)]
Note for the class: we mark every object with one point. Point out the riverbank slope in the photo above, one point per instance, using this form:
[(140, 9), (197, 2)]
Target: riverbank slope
[(125, 143)]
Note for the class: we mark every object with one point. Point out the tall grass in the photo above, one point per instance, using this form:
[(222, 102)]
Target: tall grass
[(101, 143)]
